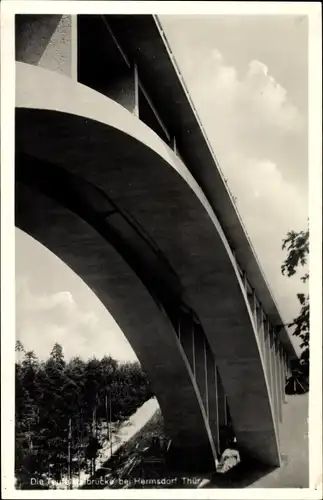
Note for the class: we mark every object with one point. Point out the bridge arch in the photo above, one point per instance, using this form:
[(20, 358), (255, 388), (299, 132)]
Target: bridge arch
[(96, 139), (140, 317)]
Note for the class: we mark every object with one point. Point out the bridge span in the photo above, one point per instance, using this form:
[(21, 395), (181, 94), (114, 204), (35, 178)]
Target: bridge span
[(115, 175)]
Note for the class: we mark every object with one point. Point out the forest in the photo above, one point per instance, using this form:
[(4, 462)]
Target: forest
[(61, 408)]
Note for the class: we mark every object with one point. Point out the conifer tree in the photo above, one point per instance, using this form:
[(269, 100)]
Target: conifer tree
[(57, 403)]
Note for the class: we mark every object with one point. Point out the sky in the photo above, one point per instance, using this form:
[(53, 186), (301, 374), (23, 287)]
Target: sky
[(247, 76)]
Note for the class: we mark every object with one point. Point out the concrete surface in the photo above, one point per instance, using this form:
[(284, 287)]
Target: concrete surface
[(46, 41), (141, 319), (294, 472), (94, 138)]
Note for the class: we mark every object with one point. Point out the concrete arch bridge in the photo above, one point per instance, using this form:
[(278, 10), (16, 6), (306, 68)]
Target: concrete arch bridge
[(115, 175)]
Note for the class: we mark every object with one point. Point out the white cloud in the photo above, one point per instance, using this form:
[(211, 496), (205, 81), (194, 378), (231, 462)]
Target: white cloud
[(255, 98), (256, 132), (270, 207), (269, 99), (45, 318)]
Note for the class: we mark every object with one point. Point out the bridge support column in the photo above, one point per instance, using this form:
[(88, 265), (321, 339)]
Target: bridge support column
[(271, 370), (268, 356), (123, 88), (200, 359), (48, 41), (259, 322), (200, 365), (283, 375), (286, 365), (290, 372), (213, 410), (274, 392), (279, 380), (286, 372), (223, 414)]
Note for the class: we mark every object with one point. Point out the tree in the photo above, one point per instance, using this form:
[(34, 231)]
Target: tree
[(57, 355), (20, 351), (19, 346), (61, 410), (297, 246), (27, 418)]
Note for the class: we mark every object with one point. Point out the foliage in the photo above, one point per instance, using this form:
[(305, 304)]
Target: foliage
[(297, 246), (61, 405)]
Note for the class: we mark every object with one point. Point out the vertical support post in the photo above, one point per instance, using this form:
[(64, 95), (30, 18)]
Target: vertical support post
[(251, 299), (222, 408), (254, 310), (217, 408), (274, 378), (244, 279), (271, 372), (258, 319), (279, 378), (267, 356), (136, 85), (206, 380), (174, 145), (286, 365), (234, 257), (179, 328), (283, 374), (193, 349), (261, 333), (289, 370)]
